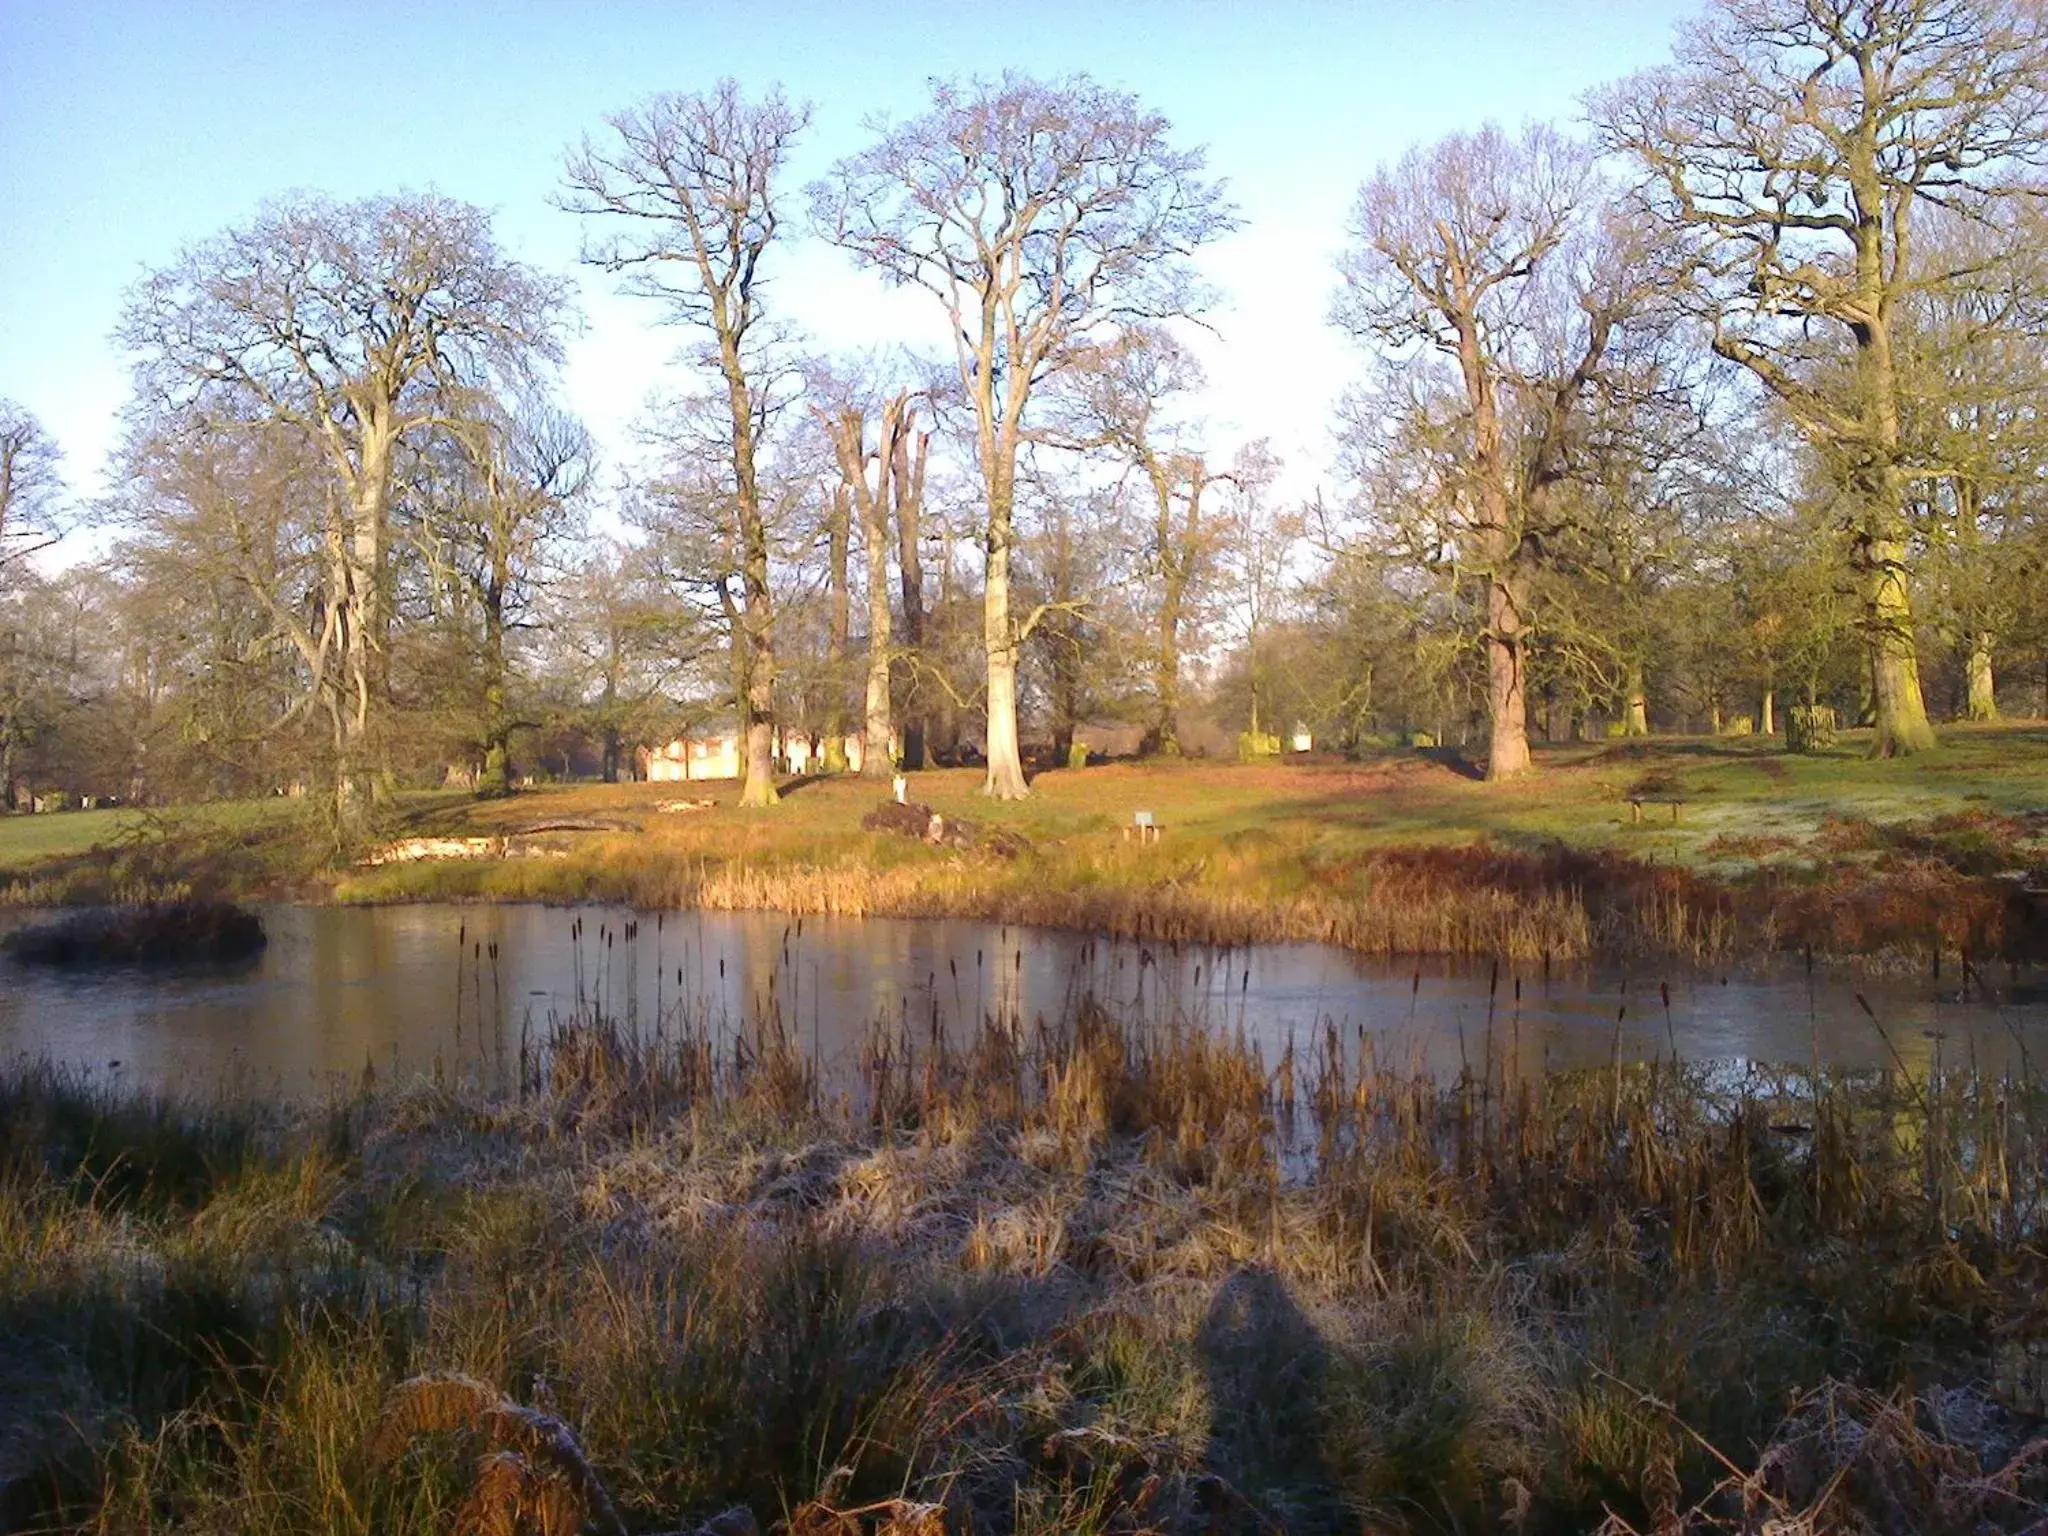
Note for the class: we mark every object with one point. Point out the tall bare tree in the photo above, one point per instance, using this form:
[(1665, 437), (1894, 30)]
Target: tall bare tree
[(907, 474), (31, 485), (1042, 216), (685, 191), (627, 652), (1789, 152), (886, 483), (838, 621), (252, 508), (1260, 540), (527, 468), (358, 325), (1971, 354), (1480, 269), (1122, 397)]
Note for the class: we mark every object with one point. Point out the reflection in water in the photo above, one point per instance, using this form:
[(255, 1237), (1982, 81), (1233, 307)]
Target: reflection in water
[(407, 989)]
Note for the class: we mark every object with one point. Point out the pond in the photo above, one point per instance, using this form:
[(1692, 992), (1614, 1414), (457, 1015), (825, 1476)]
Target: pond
[(416, 989)]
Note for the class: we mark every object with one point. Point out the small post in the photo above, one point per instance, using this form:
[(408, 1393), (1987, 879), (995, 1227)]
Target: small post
[(902, 788)]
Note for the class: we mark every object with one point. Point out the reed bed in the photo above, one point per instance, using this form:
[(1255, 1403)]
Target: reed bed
[(1064, 1276), (1523, 904)]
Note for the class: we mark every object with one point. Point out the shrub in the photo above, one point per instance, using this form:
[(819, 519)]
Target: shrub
[(1253, 745), (1739, 725)]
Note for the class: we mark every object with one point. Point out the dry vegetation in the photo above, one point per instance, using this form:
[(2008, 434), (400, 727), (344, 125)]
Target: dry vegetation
[(1405, 854), (1065, 1280)]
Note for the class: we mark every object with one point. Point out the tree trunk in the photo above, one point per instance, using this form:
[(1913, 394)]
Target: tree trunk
[(1983, 694), (875, 761), (1902, 724), (1177, 555), (1005, 779), (1005, 759), (362, 587), (1635, 717), (1506, 680), (1166, 726), (909, 481), (758, 704), (838, 536), (1768, 717), (496, 778), (1900, 709)]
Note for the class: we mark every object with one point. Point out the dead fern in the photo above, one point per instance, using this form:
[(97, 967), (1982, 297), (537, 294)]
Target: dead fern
[(531, 1480)]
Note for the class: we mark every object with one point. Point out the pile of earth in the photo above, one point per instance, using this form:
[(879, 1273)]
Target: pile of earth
[(911, 819)]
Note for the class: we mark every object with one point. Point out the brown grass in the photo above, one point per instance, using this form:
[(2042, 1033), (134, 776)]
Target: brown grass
[(1068, 1279)]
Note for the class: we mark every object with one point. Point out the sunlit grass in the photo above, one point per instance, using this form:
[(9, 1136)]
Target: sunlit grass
[(1836, 853), (1343, 852)]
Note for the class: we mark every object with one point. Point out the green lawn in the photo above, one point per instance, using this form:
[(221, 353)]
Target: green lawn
[(26, 840)]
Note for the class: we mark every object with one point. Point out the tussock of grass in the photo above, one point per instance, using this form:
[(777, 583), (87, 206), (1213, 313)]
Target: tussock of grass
[(1065, 1278)]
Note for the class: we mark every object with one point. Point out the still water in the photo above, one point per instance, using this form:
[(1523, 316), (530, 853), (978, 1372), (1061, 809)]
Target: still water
[(414, 989)]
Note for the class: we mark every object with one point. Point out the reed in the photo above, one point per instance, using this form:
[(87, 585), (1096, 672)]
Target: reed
[(1891, 897), (1061, 1275)]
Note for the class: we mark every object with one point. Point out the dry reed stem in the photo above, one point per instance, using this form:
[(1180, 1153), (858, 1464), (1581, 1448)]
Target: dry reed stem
[(886, 1517)]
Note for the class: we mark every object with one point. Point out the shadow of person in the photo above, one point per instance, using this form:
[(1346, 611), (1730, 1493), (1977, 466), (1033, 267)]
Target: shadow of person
[(1267, 1365)]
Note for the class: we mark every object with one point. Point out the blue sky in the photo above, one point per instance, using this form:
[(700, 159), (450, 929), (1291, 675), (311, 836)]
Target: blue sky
[(129, 130)]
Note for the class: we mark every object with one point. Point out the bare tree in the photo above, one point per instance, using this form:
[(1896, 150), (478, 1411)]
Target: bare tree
[(357, 324), (685, 190), (907, 466), (1479, 268), (624, 647), (1788, 152), (527, 469), (886, 484), (31, 485), (1121, 397), (1971, 354), (1260, 543), (253, 507), (838, 622), (1042, 215)]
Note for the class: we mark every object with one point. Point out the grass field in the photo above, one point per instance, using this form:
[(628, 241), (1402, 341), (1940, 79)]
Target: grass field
[(1405, 852)]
